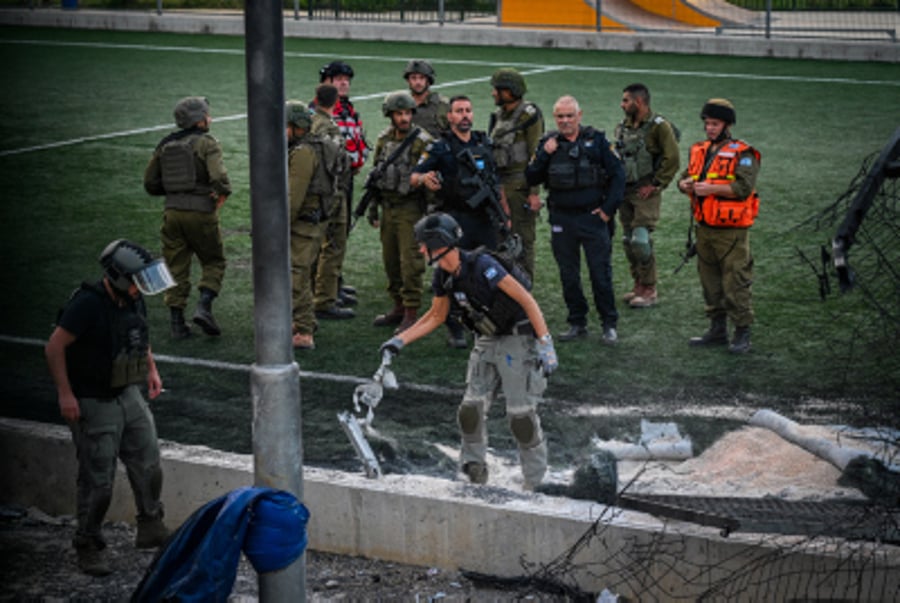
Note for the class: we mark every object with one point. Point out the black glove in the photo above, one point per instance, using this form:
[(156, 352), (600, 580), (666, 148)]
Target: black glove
[(392, 345)]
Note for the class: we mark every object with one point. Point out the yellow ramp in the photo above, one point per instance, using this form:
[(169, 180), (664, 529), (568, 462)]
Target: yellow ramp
[(574, 14), (676, 10)]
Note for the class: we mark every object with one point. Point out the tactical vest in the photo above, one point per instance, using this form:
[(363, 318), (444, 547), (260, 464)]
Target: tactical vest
[(467, 183), (185, 185), (510, 149), (631, 143), (129, 343), (483, 313), (576, 165), (427, 116), (720, 169), (395, 176)]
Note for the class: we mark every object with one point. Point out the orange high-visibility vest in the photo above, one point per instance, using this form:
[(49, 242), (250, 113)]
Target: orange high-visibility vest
[(718, 211)]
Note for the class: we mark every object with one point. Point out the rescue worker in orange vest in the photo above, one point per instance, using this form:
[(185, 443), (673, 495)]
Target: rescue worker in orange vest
[(721, 182)]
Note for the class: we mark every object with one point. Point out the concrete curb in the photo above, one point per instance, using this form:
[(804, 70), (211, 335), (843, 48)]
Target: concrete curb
[(463, 34), (432, 522)]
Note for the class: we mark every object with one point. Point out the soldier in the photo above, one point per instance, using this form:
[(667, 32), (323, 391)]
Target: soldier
[(648, 146), (329, 300), (340, 75), (99, 356), (187, 168), (513, 350), (586, 181), (312, 163), (431, 107), (402, 207), (457, 167), (721, 182), (516, 127)]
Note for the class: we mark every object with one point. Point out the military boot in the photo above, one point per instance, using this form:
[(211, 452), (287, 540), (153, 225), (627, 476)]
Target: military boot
[(151, 533), (388, 319), (180, 329), (203, 316), (633, 293), (92, 557), (645, 298), (477, 472), (410, 316), (716, 335), (740, 344)]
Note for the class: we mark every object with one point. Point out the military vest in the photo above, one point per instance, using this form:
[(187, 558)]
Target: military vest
[(721, 212), (631, 143), (507, 134), (395, 176), (432, 116), (576, 165), (183, 180), (466, 184)]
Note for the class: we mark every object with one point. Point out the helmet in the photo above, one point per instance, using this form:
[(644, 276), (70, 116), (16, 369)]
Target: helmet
[(512, 80), (335, 68), (719, 108), (125, 263), (296, 113), (438, 230), (190, 110), (419, 66), (396, 101)]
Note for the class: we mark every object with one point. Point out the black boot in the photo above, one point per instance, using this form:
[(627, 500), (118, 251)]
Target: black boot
[(180, 329), (203, 316), (740, 344), (716, 335)]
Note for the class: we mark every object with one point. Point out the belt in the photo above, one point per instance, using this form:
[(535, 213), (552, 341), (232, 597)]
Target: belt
[(523, 328), (572, 210)]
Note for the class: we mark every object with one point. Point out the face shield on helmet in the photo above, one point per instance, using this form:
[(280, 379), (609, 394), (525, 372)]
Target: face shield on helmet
[(125, 263)]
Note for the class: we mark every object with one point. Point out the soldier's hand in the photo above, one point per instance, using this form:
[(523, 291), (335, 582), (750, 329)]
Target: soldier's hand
[(551, 145), (392, 345), (547, 354)]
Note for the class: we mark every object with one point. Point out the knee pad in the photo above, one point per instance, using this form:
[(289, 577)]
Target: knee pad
[(526, 430), (469, 416), (626, 238), (640, 243)]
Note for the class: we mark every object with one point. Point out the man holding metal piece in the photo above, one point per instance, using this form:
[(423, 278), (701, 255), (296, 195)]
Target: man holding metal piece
[(513, 350)]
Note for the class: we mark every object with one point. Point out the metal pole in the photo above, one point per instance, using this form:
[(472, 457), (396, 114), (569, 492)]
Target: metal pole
[(599, 9), (768, 19), (274, 377)]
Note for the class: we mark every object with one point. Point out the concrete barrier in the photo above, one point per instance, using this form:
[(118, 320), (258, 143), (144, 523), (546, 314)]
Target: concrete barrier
[(466, 34), (434, 522)]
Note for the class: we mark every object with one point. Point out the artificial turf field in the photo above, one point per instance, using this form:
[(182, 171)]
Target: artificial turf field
[(83, 110)]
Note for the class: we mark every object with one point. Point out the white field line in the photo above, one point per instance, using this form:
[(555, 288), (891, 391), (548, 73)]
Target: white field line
[(735, 412), (531, 69)]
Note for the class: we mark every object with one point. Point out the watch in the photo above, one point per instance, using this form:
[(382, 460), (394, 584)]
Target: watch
[(546, 338)]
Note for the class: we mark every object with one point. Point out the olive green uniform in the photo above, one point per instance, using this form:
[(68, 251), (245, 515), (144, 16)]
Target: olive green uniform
[(308, 227), (649, 151), (431, 115), (515, 136), (334, 247), (191, 218), (401, 209)]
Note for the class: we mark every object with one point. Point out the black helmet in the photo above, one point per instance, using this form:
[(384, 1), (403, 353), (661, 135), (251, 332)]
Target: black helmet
[(125, 263), (190, 110), (438, 230), (397, 101), (419, 66), (719, 108), (512, 80), (335, 68)]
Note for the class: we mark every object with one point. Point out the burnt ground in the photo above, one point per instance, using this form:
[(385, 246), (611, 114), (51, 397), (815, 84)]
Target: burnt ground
[(39, 565)]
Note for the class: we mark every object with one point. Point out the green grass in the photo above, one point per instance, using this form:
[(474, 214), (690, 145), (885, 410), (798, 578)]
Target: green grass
[(813, 122)]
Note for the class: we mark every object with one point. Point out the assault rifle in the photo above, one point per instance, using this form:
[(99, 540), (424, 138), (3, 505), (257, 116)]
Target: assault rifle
[(488, 198), (372, 193), (690, 248)]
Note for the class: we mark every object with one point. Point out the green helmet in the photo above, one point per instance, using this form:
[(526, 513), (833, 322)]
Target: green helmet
[(419, 66), (125, 263), (190, 110), (397, 101), (512, 80), (297, 113)]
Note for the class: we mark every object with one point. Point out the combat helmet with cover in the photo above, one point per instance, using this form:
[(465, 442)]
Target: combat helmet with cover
[(296, 113), (420, 66), (397, 101), (511, 79), (190, 110)]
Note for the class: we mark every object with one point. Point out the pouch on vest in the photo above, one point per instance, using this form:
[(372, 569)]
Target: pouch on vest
[(176, 161)]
